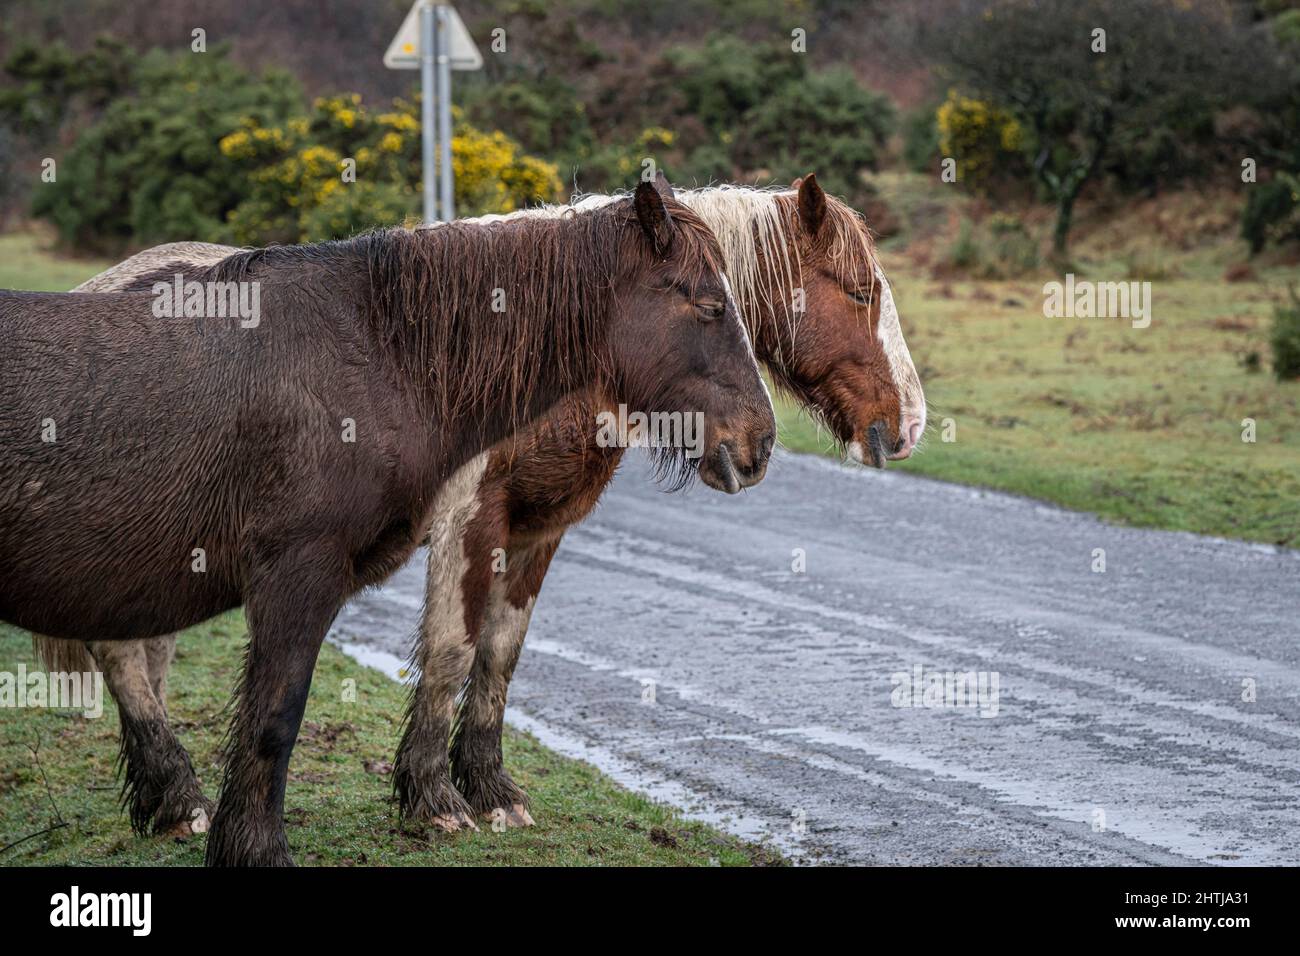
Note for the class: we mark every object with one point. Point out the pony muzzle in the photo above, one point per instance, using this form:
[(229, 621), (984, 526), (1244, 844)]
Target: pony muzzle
[(874, 449), (877, 447), (727, 470)]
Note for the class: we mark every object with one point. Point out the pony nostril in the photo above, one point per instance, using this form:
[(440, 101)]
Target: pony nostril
[(908, 435), (765, 446)]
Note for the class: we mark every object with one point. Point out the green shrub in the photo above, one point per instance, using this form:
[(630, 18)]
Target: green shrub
[(544, 115), (921, 140), (1286, 27), (148, 171), (828, 124), (998, 249), (1272, 212), (203, 150), (963, 253), (44, 80), (1012, 250), (1285, 339), (754, 110), (720, 81)]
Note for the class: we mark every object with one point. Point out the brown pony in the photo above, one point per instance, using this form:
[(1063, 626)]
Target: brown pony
[(822, 318), (156, 473), (499, 521)]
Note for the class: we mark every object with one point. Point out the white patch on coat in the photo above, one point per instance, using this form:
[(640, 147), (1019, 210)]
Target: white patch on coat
[(444, 653)]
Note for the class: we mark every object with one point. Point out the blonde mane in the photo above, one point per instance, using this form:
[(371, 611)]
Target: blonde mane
[(754, 226)]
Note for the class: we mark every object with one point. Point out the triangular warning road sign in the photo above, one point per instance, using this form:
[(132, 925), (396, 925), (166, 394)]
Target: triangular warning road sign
[(404, 52)]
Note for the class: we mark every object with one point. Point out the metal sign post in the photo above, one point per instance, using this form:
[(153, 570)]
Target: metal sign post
[(427, 107), (433, 39), (443, 46)]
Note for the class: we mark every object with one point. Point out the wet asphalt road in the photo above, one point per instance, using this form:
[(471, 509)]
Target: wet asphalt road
[(1118, 733)]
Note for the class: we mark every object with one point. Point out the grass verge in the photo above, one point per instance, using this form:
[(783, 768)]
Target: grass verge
[(58, 766)]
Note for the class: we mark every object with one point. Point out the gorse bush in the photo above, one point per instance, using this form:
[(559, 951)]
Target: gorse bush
[(198, 148), (544, 114), (756, 110), (295, 172), (45, 79), (986, 142), (177, 146)]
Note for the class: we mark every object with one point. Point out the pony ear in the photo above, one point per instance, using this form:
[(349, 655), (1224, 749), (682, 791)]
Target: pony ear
[(812, 202), (663, 185), (653, 216)]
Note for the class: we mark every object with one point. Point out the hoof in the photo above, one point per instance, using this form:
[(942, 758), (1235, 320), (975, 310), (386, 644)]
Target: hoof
[(454, 822), (503, 818), (197, 823), (431, 800)]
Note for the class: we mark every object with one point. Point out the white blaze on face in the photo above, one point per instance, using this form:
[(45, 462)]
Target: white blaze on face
[(744, 331), (911, 400)]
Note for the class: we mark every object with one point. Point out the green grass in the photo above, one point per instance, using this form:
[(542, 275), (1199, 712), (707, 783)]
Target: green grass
[(1141, 426), (337, 811), (26, 263)]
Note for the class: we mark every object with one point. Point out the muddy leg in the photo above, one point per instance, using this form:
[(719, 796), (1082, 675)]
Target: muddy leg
[(444, 652), (476, 753), (159, 786), (289, 610)]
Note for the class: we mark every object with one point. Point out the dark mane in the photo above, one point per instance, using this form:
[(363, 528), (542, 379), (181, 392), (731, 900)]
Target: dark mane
[(431, 295)]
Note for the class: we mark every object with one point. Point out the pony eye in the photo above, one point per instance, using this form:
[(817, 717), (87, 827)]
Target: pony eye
[(712, 310), (861, 296)]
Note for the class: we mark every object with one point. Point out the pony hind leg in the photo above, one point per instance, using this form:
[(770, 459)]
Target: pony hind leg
[(159, 652), (479, 769), (159, 787)]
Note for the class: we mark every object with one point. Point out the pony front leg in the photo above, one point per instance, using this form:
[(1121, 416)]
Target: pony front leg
[(421, 773), (288, 616), (457, 575), (159, 787), (479, 770)]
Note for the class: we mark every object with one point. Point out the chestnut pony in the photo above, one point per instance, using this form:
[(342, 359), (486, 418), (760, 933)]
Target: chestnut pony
[(822, 317), (157, 472)]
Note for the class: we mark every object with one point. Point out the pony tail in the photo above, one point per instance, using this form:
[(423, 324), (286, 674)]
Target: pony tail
[(63, 656)]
